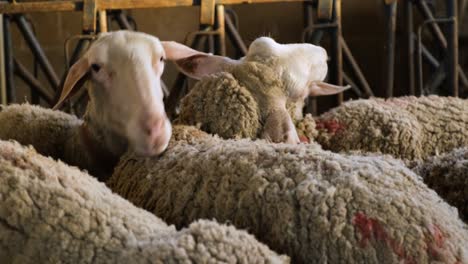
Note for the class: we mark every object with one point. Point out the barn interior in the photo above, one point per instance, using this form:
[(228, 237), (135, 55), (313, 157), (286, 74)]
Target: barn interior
[(242, 142)]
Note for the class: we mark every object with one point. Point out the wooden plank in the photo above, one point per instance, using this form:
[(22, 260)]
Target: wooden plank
[(76, 5), (103, 21), (235, 2), (136, 4), (221, 30), (46, 6), (207, 12), (89, 16)]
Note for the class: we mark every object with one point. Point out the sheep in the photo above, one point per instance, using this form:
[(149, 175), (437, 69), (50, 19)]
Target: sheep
[(125, 110), (406, 127), (53, 213), (241, 99), (254, 97), (316, 206), (447, 174)]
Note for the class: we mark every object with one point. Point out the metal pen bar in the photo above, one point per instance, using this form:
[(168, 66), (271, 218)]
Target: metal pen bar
[(452, 47), (435, 79), (419, 48), (37, 51), (390, 11), (123, 21), (3, 87), (435, 29), (409, 47), (235, 37), (437, 32), (355, 67), (426, 53), (29, 79), (354, 86), (336, 73), (9, 65)]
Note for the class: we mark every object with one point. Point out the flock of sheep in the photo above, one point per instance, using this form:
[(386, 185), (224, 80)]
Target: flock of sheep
[(241, 176)]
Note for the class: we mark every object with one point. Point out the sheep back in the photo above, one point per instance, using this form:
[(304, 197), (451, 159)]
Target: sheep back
[(447, 174), (46, 130), (218, 104), (314, 205), (405, 127), (54, 213)]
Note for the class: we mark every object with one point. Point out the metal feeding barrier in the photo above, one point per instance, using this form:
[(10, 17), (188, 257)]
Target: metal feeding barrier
[(98, 16), (328, 20), (443, 69), (219, 24), (216, 25)]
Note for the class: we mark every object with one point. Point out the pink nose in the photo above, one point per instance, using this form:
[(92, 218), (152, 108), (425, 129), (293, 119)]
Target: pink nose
[(152, 127)]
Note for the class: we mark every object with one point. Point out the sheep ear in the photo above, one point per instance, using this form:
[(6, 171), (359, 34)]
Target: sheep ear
[(176, 51), (76, 73), (193, 63), (323, 88)]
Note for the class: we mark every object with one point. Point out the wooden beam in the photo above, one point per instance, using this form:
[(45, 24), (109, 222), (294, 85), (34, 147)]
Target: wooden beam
[(136, 4), (207, 12), (236, 2), (45, 6), (89, 16), (77, 5), (221, 29), (103, 21)]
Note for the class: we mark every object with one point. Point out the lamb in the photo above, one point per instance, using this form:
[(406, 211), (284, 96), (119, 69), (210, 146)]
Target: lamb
[(314, 205), (447, 174), (125, 110), (53, 213), (251, 97), (406, 127)]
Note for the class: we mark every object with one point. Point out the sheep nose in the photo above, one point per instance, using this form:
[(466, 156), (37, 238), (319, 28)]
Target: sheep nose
[(152, 126)]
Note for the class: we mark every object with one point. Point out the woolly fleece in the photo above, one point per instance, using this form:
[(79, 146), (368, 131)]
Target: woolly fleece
[(405, 127), (234, 104), (448, 175), (51, 133), (45, 129), (53, 213), (313, 205)]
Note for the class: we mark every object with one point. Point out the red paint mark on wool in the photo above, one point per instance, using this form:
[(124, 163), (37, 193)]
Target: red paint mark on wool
[(435, 242), (304, 139), (438, 236), (332, 126), (371, 228)]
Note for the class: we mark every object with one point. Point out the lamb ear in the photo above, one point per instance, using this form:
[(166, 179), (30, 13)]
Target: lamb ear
[(193, 63), (323, 88), (76, 73)]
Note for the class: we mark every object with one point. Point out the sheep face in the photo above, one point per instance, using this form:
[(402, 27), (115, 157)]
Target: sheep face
[(302, 67), (297, 64), (126, 97)]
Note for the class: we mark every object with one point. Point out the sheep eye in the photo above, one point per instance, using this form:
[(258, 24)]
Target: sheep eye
[(95, 67), (161, 59)]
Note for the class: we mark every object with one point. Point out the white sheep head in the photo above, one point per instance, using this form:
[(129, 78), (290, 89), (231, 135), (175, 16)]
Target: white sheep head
[(126, 98), (301, 69)]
